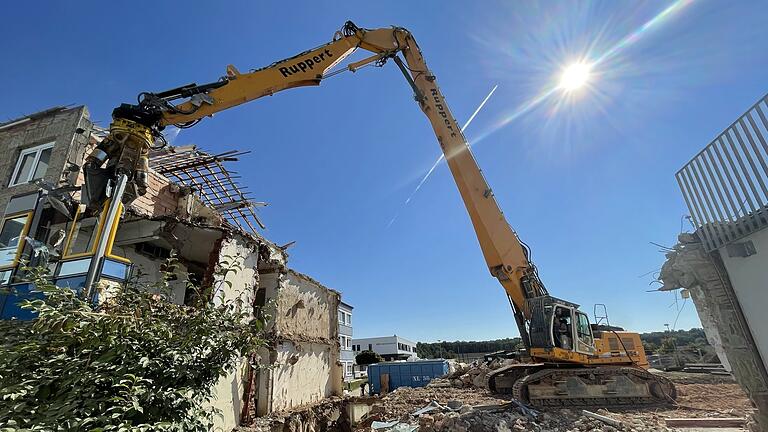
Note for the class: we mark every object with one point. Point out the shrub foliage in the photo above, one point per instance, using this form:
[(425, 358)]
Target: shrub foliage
[(137, 362), (368, 357)]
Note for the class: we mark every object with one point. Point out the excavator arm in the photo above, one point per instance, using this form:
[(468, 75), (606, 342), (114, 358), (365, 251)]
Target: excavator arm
[(136, 126)]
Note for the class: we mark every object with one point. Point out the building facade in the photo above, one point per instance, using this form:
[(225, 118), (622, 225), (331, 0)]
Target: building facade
[(722, 264), (346, 354), (43, 223), (389, 347)]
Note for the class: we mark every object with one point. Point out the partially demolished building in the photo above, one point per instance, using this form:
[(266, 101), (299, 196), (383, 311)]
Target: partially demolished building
[(193, 207), (723, 263)]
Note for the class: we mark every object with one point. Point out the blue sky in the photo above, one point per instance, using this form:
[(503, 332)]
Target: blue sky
[(587, 181)]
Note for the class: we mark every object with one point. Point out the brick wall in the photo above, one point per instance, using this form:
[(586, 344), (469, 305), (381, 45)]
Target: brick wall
[(162, 197), (57, 126)]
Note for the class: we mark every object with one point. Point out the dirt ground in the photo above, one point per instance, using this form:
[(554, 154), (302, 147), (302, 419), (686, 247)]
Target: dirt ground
[(699, 395)]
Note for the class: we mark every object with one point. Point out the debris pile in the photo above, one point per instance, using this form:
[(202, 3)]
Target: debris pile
[(471, 375), (510, 417), (441, 407), (326, 415)]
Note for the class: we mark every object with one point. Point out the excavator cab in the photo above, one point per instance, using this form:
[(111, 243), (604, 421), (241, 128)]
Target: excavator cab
[(556, 323)]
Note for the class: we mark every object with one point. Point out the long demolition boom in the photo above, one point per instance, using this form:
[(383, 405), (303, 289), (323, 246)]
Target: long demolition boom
[(135, 127)]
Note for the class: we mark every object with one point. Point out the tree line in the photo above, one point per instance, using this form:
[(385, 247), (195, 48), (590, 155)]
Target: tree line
[(654, 342)]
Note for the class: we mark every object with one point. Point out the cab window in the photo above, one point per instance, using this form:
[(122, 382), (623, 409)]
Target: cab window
[(583, 329)]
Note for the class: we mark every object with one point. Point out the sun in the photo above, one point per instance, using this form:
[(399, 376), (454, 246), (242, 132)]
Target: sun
[(574, 76)]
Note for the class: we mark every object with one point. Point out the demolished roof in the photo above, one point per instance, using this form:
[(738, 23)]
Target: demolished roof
[(212, 179)]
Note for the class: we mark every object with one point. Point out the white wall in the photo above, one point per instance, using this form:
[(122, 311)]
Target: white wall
[(148, 271), (303, 373), (228, 392), (304, 363), (749, 277)]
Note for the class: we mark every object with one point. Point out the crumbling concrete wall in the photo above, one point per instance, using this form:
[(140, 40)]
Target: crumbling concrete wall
[(709, 323), (304, 373), (306, 309), (166, 198), (749, 277), (303, 360), (691, 267), (236, 273), (235, 277)]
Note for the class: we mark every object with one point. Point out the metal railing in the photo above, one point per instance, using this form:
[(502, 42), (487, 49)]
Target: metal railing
[(726, 185)]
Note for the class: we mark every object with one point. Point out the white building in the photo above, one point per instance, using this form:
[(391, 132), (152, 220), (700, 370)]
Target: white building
[(389, 347), (347, 356)]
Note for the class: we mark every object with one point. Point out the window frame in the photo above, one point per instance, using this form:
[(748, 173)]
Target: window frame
[(22, 241), (38, 149), (345, 342), (345, 318)]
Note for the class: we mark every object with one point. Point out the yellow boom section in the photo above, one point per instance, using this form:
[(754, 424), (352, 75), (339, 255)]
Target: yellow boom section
[(503, 252)]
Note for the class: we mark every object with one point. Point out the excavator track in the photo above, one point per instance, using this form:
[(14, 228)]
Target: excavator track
[(603, 386)]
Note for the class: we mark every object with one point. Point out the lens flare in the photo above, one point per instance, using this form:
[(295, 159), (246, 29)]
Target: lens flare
[(578, 74), (560, 89)]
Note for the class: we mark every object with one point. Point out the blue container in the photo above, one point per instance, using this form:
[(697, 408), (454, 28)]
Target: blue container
[(406, 374)]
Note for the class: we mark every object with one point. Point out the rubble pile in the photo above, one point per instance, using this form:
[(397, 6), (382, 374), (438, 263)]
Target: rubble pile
[(400, 403), (510, 417), (506, 420), (442, 407), (324, 416), (471, 375)]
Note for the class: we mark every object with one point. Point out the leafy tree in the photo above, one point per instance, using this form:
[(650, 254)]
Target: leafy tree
[(137, 362), (368, 357)]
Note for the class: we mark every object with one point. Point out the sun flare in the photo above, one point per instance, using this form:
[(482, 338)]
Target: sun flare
[(574, 76)]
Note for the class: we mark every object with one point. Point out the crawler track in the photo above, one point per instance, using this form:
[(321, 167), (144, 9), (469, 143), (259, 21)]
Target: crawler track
[(603, 386)]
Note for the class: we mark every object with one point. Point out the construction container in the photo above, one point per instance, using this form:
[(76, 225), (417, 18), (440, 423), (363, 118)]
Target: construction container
[(404, 374)]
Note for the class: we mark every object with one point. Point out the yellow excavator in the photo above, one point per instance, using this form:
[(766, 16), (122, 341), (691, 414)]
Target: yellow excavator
[(568, 361)]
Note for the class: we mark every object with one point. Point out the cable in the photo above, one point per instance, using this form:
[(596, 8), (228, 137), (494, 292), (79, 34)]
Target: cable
[(164, 142), (678, 313), (188, 124), (624, 347)]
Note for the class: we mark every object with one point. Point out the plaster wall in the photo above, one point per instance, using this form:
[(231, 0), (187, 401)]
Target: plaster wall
[(306, 309), (304, 373), (302, 365)]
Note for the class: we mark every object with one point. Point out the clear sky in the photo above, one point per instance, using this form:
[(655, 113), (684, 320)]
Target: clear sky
[(587, 181)]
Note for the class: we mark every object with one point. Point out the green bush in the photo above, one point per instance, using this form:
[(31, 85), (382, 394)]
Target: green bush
[(137, 362), (368, 357)]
